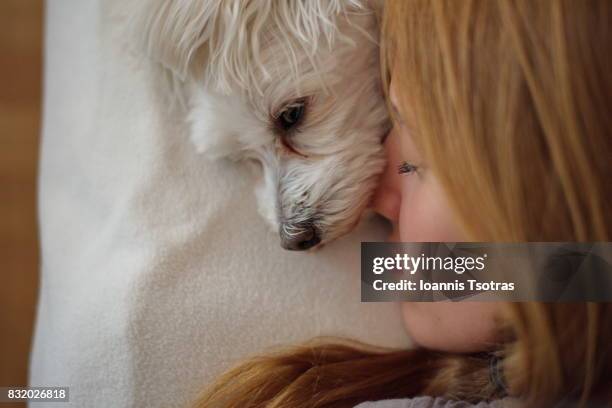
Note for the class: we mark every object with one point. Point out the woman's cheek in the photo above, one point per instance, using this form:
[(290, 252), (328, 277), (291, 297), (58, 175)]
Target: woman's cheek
[(425, 215), (415, 213)]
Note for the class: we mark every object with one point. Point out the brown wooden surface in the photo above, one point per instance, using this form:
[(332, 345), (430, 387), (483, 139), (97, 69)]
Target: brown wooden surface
[(20, 92)]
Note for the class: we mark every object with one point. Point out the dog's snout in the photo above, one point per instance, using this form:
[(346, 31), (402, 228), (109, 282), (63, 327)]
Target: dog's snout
[(299, 238)]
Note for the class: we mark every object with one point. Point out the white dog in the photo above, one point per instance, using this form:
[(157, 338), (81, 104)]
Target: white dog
[(293, 85)]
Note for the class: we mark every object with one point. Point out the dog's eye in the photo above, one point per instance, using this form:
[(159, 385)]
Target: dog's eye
[(291, 115)]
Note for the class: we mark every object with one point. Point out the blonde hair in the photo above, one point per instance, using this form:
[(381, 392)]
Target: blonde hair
[(512, 107), (511, 102)]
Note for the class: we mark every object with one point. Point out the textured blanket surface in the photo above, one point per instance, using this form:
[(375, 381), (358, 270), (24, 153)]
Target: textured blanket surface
[(157, 272)]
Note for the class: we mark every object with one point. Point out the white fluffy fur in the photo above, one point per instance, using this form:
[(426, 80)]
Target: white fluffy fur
[(238, 63)]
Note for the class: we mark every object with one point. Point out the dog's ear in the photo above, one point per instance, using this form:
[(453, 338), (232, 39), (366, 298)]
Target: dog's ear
[(172, 32), (223, 39)]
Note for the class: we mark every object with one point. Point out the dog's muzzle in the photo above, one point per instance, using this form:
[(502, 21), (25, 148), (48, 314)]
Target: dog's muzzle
[(299, 237)]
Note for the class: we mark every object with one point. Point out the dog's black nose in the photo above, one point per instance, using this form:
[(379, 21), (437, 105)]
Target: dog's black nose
[(303, 239)]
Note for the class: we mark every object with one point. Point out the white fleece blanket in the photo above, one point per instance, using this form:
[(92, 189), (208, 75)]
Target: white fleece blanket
[(157, 272)]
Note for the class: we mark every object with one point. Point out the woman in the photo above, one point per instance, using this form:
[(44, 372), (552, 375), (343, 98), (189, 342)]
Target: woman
[(502, 133)]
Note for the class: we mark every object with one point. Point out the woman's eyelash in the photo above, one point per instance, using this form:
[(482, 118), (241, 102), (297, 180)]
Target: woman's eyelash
[(406, 168)]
